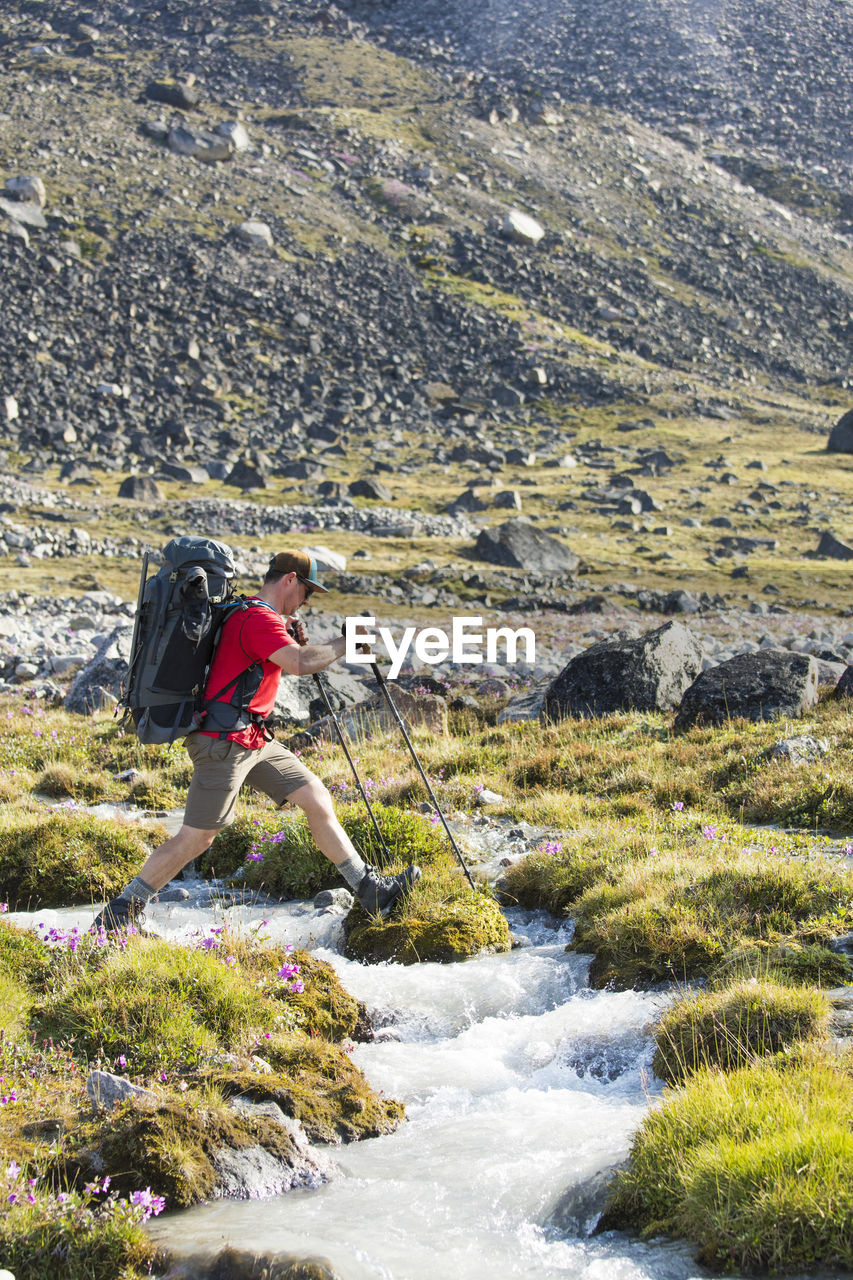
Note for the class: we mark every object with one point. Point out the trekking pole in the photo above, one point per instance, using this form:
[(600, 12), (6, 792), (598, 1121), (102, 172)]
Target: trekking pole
[(383, 685), (318, 680)]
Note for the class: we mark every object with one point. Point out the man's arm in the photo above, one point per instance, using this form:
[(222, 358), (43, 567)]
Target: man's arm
[(304, 660)]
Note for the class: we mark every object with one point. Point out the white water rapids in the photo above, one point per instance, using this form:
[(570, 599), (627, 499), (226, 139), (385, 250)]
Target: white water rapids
[(521, 1085)]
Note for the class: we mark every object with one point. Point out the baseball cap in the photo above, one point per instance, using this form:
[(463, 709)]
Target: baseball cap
[(300, 563)]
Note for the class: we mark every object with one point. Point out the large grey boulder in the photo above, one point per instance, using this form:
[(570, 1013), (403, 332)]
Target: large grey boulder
[(833, 547), (841, 436), (767, 685), (649, 673), (518, 544), (99, 683), (296, 693), (140, 489)]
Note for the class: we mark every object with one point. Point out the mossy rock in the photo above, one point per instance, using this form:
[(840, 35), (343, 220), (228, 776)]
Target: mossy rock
[(732, 1027), (243, 1264), (65, 859), (442, 933), (318, 1084), (326, 1008), (171, 1147)]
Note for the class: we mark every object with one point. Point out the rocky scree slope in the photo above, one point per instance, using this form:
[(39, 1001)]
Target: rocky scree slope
[(390, 320), (750, 76)]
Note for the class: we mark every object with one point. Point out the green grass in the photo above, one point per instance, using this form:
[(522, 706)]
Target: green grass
[(752, 1166), (735, 1026), (63, 858)]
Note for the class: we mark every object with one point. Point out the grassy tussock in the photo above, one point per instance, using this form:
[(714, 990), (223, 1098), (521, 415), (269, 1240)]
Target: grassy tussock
[(751, 1165), (735, 1026), (441, 920), (53, 859), (190, 1024), (671, 916)]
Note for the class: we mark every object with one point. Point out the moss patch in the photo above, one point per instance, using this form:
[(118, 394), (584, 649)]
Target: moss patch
[(171, 1146), (318, 1084), (442, 920)]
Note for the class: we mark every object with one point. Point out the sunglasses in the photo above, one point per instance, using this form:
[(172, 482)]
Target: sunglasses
[(309, 586)]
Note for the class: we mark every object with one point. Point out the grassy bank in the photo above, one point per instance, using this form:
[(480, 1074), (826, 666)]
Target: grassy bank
[(192, 1026)]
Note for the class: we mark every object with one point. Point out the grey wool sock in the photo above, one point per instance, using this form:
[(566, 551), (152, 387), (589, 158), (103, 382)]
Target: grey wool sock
[(352, 870), (137, 891)]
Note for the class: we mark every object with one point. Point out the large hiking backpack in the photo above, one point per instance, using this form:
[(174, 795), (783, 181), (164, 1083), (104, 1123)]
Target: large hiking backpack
[(178, 618)]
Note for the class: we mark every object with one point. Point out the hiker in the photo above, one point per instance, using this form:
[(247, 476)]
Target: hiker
[(232, 745)]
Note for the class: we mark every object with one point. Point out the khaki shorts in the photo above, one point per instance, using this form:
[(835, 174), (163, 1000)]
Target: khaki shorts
[(220, 768)]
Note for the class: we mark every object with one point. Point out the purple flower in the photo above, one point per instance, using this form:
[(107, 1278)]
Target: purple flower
[(287, 972), (122, 1060), (297, 987), (709, 832), (12, 1170), (151, 1204), (677, 806)]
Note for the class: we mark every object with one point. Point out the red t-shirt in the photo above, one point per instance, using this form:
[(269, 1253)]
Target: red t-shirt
[(249, 635)]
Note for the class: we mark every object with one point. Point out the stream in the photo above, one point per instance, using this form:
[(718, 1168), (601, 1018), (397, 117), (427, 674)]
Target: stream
[(521, 1084), (523, 1088)]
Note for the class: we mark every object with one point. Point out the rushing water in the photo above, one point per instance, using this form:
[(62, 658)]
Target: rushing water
[(521, 1085)]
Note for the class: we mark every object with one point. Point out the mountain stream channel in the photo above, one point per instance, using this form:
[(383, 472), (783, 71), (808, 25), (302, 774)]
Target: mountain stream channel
[(523, 1087)]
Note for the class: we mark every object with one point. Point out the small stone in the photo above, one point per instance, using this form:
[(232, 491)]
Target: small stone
[(487, 797)]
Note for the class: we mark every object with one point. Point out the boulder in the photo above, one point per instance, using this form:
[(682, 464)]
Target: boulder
[(27, 187), (521, 227), (841, 436), (235, 133), (25, 213), (767, 685), (327, 561), (106, 1090), (802, 749), (255, 234), (649, 673), (208, 147), (844, 688), (524, 706), (833, 548), (518, 544), (368, 488), (99, 683), (183, 96), (243, 475), (140, 489)]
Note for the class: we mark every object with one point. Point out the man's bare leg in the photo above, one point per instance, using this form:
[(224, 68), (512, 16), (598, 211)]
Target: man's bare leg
[(376, 893)]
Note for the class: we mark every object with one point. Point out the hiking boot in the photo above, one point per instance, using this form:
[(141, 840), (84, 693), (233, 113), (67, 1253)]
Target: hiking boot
[(377, 894), (118, 915)]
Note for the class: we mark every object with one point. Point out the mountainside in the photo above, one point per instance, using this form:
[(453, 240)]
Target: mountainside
[(689, 169)]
